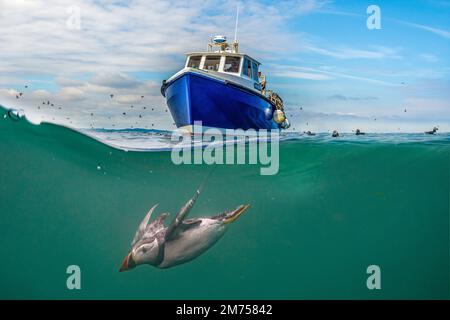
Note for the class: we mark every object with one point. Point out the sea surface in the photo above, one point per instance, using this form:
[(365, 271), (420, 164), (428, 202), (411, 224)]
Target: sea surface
[(335, 207)]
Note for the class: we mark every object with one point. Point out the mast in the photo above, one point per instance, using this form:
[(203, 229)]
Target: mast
[(235, 43)]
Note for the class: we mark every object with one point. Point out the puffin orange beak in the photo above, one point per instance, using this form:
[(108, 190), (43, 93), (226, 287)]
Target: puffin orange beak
[(236, 213), (126, 263)]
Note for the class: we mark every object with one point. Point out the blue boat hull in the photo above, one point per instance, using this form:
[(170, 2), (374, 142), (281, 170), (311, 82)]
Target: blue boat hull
[(194, 97)]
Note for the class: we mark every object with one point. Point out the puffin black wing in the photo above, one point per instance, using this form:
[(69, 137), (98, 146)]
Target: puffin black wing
[(142, 227), (181, 215)]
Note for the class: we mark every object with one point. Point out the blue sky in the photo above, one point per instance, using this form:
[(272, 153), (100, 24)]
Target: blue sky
[(317, 54)]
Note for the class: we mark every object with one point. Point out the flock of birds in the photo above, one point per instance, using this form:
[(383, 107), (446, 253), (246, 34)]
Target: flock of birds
[(358, 132), (48, 103), (335, 133)]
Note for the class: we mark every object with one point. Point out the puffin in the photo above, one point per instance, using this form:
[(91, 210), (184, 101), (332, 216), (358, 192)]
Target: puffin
[(435, 129), (183, 240)]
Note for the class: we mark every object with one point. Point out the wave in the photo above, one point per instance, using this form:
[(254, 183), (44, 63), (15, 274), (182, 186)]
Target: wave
[(139, 139)]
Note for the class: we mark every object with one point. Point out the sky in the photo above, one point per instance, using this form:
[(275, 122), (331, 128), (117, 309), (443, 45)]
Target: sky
[(330, 68)]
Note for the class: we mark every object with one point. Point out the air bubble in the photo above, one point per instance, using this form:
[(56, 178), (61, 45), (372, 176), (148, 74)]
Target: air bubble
[(15, 115)]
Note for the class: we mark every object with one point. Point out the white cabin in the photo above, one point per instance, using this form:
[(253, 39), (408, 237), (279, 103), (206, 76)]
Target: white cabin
[(230, 63), (224, 64), (236, 67)]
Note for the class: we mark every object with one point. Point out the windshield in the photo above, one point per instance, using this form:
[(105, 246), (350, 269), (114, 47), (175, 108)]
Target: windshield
[(232, 64), (194, 62), (247, 68), (212, 63), (254, 71)]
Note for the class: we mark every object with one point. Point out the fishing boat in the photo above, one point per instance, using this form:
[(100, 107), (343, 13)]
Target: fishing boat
[(223, 88)]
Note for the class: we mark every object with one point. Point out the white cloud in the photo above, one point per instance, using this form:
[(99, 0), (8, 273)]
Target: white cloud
[(115, 80), (72, 94), (135, 36), (82, 104), (9, 93), (348, 122), (128, 99), (427, 107), (377, 52), (291, 70), (428, 57), (41, 94), (302, 75), (437, 31)]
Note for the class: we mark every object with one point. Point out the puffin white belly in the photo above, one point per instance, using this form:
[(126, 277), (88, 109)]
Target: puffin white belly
[(192, 242)]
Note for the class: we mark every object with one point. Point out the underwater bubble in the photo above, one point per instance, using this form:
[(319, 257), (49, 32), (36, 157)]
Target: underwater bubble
[(15, 115), (99, 167)]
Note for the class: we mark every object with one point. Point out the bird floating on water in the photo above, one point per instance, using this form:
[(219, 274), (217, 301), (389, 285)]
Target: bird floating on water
[(182, 241), (435, 129)]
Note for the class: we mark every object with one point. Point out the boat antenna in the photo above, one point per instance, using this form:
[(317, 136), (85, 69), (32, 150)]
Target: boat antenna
[(236, 26), (235, 44)]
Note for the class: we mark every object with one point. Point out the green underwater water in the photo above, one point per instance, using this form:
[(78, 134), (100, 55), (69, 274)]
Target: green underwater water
[(312, 230)]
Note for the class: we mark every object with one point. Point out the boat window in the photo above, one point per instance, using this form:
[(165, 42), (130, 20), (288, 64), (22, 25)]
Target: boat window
[(212, 63), (255, 71), (232, 64), (247, 68), (194, 61)]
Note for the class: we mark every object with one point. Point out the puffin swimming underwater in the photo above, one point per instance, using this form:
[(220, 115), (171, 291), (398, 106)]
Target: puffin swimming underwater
[(182, 241)]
